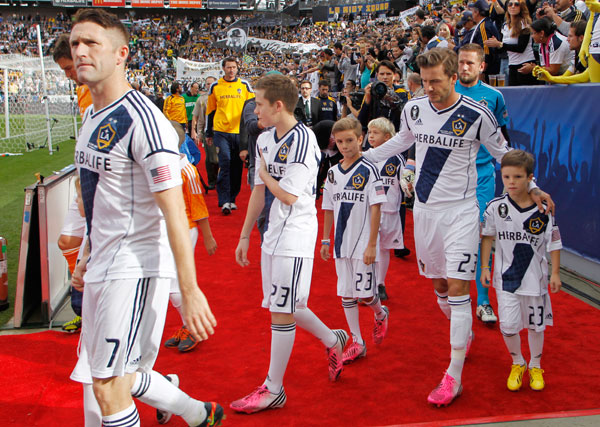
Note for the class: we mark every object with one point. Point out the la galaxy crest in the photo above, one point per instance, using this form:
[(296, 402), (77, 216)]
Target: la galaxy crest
[(358, 181), (535, 225), (459, 126), (331, 177), (390, 169), (106, 134), (484, 102), (414, 112), (283, 152)]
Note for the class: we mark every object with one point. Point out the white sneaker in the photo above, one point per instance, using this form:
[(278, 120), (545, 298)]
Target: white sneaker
[(164, 417), (485, 313), (226, 208), (233, 206)]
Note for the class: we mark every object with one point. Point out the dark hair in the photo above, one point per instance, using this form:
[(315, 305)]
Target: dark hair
[(228, 59), (386, 63), (428, 31), (103, 18), (439, 56), (545, 25), (277, 87), (519, 158), (578, 26), (62, 48), (324, 83), (174, 87), (420, 13)]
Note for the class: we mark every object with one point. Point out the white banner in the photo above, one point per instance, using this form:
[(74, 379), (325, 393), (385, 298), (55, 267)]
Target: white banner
[(277, 46), (197, 71)]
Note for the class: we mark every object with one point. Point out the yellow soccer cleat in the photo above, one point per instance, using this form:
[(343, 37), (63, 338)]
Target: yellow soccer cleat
[(515, 379), (536, 379)]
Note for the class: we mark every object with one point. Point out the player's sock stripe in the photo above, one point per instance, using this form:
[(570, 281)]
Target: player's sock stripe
[(460, 302), (144, 385), (128, 420), (374, 301), (349, 304), (289, 327)]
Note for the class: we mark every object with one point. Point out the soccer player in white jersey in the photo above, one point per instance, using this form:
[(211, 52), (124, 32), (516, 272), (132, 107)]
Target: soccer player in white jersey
[(352, 197), (287, 161), (447, 129), (523, 235), (128, 164), (390, 229)]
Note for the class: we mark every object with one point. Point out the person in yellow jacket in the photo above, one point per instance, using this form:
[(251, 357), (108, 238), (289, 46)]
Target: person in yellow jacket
[(174, 106), (226, 100)]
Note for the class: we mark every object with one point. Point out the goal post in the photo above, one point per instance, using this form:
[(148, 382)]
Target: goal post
[(39, 106)]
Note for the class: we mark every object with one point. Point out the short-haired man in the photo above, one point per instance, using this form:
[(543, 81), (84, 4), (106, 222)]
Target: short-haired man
[(226, 100), (327, 106), (415, 86), (211, 159), (483, 30), (307, 108), (128, 163), (447, 129), (470, 65), (73, 231), (463, 36), (430, 40), (174, 106), (190, 97)]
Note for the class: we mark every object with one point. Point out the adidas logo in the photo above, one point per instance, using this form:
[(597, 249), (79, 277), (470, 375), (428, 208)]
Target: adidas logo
[(549, 316), (418, 122), (508, 218)]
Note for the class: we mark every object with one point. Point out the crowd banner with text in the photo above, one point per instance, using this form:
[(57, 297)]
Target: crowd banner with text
[(197, 71), (223, 4), (147, 3), (108, 3), (566, 146), (365, 8), (76, 3), (186, 3)]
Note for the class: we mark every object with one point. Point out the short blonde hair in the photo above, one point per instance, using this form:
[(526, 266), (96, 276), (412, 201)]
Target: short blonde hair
[(382, 124), (347, 123)]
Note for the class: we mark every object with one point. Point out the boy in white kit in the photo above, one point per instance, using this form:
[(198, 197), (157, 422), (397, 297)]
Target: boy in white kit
[(352, 196), (390, 228), (523, 235), (287, 162)]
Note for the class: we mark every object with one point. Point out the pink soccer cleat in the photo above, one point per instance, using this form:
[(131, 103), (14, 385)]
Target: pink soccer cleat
[(335, 354), (355, 351), (445, 392), (259, 399), (381, 327)]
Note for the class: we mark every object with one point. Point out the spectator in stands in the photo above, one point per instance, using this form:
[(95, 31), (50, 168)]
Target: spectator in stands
[(159, 100), (429, 39), (517, 41), (174, 106), (482, 31), (466, 24), (415, 85), (563, 13), (555, 55)]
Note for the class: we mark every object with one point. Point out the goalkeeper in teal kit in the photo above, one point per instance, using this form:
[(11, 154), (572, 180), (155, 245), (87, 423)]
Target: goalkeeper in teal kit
[(470, 64)]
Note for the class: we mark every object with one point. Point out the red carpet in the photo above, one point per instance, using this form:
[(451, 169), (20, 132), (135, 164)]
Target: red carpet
[(388, 387)]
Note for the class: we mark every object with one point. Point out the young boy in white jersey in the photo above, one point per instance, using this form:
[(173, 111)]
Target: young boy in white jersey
[(287, 162), (197, 215), (390, 228), (523, 235), (352, 196)]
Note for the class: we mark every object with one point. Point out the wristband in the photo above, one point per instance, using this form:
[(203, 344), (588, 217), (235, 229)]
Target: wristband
[(325, 242), (487, 267), (409, 167)]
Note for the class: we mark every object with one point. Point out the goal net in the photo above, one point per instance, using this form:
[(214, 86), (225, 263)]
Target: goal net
[(29, 119)]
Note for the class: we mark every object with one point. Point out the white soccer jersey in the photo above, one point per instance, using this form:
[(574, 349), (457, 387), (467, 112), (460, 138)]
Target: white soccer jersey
[(522, 238), (447, 142), (390, 171), (350, 194), (293, 160), (124, 153)]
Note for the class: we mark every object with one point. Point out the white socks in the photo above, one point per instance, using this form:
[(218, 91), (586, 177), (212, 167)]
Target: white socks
[(91, 410), (352, 315), (126, 418), (381, 267), (377, 308), (282, 343), (442, 300), (175, 298), (513, 344), (536, 345), (309, 321), (461, 321), (155, 390)]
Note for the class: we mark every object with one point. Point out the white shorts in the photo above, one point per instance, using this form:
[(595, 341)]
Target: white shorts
[(390, 231), (519, 312), (355, 278), (286, 282), (447, 241), (74, 223), (122, 327)]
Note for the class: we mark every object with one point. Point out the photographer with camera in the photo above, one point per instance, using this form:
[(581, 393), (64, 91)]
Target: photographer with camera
[(383, 98), (350, 100)]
